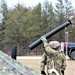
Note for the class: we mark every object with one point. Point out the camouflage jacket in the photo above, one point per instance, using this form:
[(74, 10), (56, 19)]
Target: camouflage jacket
[(57, 56)]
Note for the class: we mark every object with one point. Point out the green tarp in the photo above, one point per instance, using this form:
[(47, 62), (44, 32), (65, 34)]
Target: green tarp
[(9, 66)]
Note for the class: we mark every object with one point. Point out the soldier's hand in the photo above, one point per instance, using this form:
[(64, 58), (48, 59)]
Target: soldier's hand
[(44, 40), (43, 73)]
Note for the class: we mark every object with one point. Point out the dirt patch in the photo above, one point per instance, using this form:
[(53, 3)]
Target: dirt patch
[(35, 65), (70, 70)]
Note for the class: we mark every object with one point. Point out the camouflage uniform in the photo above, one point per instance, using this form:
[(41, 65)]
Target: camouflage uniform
[(58, 58)]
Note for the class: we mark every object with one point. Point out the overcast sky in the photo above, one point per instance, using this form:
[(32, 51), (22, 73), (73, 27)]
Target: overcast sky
[(31, 3), (26, 2)]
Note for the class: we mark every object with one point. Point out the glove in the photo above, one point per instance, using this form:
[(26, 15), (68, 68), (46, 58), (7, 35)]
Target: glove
[(44, 40), (43, 72)]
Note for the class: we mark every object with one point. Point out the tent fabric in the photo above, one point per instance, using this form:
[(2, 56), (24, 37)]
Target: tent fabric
[(9, 66)]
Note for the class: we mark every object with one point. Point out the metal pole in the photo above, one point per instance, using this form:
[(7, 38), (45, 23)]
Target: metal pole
[(66, 39), (51, 33)]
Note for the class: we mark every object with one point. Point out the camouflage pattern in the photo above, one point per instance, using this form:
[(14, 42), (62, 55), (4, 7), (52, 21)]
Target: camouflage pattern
[(58, 58), (9, 66)]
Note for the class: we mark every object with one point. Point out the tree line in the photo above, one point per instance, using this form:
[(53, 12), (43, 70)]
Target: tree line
[(23, 25)]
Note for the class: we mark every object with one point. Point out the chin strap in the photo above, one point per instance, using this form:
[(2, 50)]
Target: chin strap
[(53, 69)]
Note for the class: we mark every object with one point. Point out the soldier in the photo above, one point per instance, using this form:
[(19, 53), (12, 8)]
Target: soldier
[(53, 58)]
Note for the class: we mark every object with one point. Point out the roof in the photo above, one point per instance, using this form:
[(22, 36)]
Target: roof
[(9, 66)]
